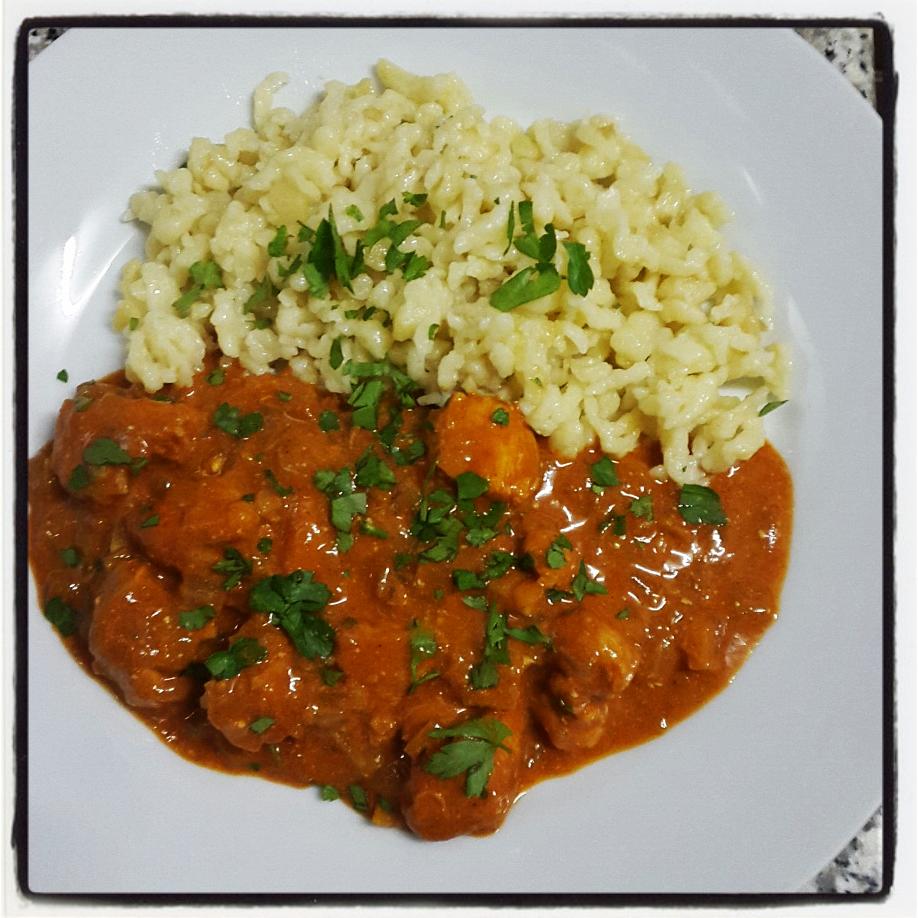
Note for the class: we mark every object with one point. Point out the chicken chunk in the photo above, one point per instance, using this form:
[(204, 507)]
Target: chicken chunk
[(593, 662), (503, 451), (137, 640), (438, 804)]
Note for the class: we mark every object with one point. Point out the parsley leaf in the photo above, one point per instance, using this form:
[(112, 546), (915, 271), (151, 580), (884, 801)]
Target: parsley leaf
[(293, 602), (234, 565), (245, 652), (582, 584), (579, 274), (414, 199), (279, 489), (604, 473), (105, 452), (61, 616), (642, 507), (260, 724), (698, 504), (422, 646), (196, 619), (278, 245), (63, 376), (500, 417), (328, 420), (554, 557), (768, 408), (530, 284), (472, 751), (241, 426), (70, 556), (469, 485), (79, 478)]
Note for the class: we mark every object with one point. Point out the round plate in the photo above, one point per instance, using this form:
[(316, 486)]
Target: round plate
[(765, 784)]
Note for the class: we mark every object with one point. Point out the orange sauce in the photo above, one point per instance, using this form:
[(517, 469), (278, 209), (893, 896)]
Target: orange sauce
[(619, 617)]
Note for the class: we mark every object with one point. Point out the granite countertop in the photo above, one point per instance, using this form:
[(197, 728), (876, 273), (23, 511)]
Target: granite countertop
[(859, 868)]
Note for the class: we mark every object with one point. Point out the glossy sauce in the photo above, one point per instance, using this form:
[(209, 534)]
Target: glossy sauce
[(681, 605)]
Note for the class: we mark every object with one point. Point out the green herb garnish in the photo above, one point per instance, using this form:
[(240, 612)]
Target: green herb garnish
[(698, 504), (293, 603), (61, 616), (260, 724), (238, 425), (471, 751), (245, 652), (196, 619), (234, 565), (554, 557), (642, 507)]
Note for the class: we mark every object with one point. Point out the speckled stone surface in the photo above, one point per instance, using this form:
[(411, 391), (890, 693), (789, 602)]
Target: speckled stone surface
[(857, 869)]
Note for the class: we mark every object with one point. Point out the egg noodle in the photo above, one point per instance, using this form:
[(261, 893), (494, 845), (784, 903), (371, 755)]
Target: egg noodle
[(555, 267)]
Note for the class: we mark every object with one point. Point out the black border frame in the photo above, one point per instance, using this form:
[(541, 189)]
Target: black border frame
[(886, 91)]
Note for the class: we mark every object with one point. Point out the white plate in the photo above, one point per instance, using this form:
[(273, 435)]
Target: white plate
[(757, 791)]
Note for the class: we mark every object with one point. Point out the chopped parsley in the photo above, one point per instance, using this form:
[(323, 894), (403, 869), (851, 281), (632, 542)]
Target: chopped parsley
[(535, 282), (284, 396), (293, 603), (579, 274), (216, 377), (500, 417), (195, 619), (61, 616), (623, 614), (265, 545), (70, 556), (63, 376), (234, 565), (432, 331), (278, 245), (699, 504), (354, 212), (105, 452), (241, 426), (367, 528), (335, 356), (771, 406), (583, 584), (415, 200), (471, 751), (260, 724), (616, 521), (484, 675), (469, 485), (150, 521), (327, 792), (245, 652), (205, 275), (372, 472), (604, 473), (554, 556), (359, 798), (344, 502), (642, 507), (422, 646), (79, 478), (278, 488)]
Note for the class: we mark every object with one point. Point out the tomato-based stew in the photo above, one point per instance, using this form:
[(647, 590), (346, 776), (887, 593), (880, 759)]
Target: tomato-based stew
[(420, 610)]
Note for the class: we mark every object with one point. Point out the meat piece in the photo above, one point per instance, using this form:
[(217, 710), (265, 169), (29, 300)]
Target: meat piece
[(136, 638), (470, 440), (141, 427), (268, 701), (436, 806), (593, 662)]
